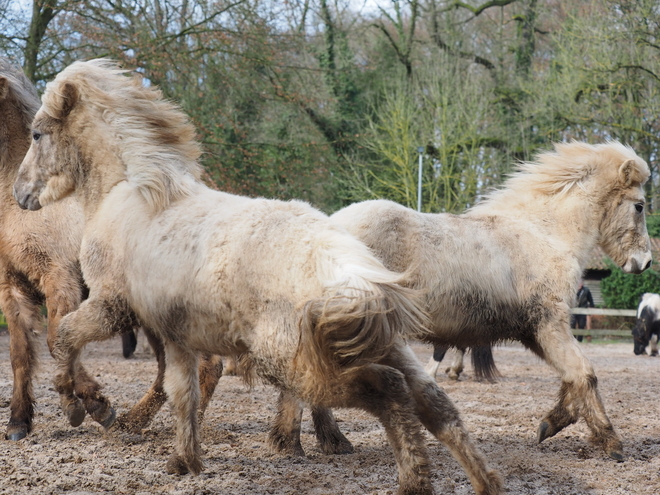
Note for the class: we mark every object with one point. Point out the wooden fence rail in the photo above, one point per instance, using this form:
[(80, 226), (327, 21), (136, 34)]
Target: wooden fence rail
[(630, 313)]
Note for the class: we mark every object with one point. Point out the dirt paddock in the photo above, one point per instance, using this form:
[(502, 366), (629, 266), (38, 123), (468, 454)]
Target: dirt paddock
[(502, 417)]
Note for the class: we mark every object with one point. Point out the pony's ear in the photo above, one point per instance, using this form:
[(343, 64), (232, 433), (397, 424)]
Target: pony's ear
[(628, 173), (4, 87), (66, 101)]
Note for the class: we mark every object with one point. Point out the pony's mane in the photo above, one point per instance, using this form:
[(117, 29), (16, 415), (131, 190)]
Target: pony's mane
[(21, 89), (561, 170), (156, 138)]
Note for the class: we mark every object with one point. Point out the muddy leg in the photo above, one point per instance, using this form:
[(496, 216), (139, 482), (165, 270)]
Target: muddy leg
[(182, 387), (210, 371), (454, 371), (95, 320), (578, 395), (432, 366), (383, 392), (330, 438), (439, 415), (284, 435), (142, 413), (22, 320)]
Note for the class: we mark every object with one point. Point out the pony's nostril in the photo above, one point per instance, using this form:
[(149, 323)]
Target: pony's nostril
[(648, 265)]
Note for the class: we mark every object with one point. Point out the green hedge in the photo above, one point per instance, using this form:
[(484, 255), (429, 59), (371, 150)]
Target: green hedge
[(623, 290)]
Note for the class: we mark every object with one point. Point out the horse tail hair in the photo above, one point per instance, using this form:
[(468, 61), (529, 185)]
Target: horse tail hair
[(484, 364), (356, 323)]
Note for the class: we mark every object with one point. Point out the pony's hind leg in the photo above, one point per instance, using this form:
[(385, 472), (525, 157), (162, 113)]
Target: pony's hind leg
[(330, 438), (95, 320), (182, 388), (578, 395), (439, 415), (284, 435), (22, 321), (383, 392)]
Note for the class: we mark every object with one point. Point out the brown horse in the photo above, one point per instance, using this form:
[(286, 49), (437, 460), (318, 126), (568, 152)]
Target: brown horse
[(307, 305), (38, 253), (39, 264)]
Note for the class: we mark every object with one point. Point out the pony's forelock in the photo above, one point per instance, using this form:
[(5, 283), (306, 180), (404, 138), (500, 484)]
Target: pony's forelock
[(158, 145)]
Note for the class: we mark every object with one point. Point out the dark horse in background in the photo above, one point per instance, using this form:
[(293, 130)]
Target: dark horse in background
[(647, 326)]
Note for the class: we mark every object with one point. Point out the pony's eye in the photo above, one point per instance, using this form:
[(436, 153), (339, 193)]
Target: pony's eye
[(639, 207), (36, 135)]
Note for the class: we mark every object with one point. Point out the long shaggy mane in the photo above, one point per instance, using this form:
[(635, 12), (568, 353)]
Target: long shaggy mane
[(562, 170), (155, 138), (24, 95)]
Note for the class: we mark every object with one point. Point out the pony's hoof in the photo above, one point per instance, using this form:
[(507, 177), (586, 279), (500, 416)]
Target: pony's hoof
[(545, 431), (617, 455), (283, 445), (452, 375), (175, 465), (75, 413), (16, 432), (105, 417), (338, 448)]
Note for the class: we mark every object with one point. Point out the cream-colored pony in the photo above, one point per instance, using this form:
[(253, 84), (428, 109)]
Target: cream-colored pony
[(509, 268), (307, 305)]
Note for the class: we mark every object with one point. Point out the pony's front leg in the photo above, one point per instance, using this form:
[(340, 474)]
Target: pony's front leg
[(578, 395), (182, 388), (439, 415), (432, 366), (210, 371), (22, 319), (144, 411), (96, 319)]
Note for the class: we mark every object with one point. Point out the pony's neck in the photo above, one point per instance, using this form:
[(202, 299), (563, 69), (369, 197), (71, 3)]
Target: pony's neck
[(571, 221), (103, 171)]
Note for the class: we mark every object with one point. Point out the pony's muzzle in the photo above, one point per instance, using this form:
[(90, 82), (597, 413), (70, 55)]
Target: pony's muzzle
[(25, 198), (637, 264)]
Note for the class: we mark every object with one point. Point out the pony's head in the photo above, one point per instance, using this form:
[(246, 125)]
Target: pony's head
[(593, 191), (95, 122), (616, 183), (18, 104)]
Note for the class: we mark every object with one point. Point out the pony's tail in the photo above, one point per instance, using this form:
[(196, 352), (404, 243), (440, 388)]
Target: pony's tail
[(484, 364), (356, 324)]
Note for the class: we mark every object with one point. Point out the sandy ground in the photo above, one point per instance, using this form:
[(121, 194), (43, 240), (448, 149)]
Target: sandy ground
[(502, 417)]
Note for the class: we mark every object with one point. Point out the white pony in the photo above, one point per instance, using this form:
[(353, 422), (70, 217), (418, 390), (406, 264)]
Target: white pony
[(508, 269), (309, 308), (647, 326)]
